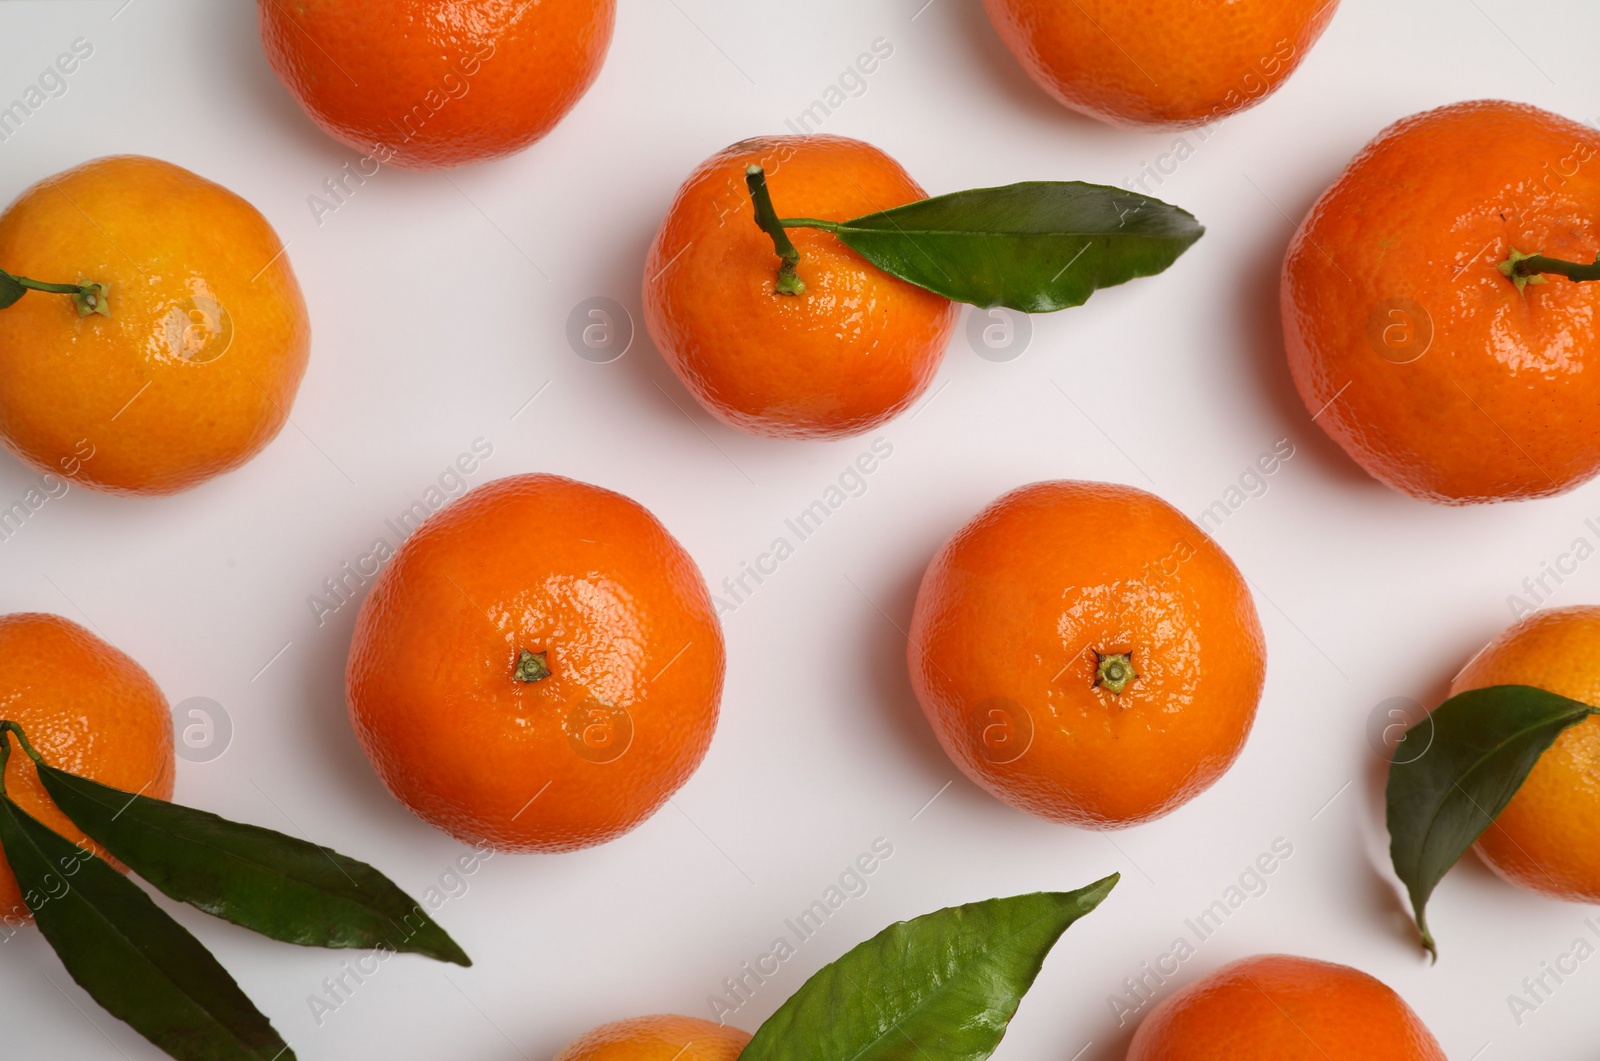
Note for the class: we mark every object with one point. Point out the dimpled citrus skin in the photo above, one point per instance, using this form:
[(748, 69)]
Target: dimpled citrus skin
[(661, 1038), (1279, 1008), (87, 709), (1505, 402), (850, 353), (1164, 63), (541, 564), (142, 402), (1012, 616), (1548, 837), (437, 82)]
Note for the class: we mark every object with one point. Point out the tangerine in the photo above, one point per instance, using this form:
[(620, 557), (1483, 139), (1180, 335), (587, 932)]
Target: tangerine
[(1086, 653), (538, 667), (1167, 63), (1437, 373), (426, 84), (88, 709), (659, 1038), (1275, 1007), (194, 368), (1548, 837), (851, 351)]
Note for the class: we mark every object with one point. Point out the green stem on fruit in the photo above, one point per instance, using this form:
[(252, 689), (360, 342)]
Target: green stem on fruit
[(87, 295), (789, 282), (7, 726), (1524, 269), (531, 667), (22, 738), (1115, 671)]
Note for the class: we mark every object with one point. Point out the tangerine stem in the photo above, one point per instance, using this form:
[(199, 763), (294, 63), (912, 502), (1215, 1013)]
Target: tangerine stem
[(789, 282), (1524, 269), (89, 296), (7, 726), (22, 739)]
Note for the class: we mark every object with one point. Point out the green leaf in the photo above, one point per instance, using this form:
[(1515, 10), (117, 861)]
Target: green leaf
[(941, 987), (10, 289), (270, 883), (1481, 746), (1033, 247), (128, 954)]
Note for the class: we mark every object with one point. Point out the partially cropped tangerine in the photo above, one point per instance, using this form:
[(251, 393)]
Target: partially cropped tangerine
[(424, 84), (538, 668), (1548, 837), (87, 708), (1279, 1008), (1438, 374), (849, 353), (1161, 63), (194, 367), (659, 1038), (1086, 653)]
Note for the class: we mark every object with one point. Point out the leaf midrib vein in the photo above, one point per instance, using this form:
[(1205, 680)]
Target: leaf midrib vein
[(115, 930), (1433, 818), (926, 999), (248, 860)]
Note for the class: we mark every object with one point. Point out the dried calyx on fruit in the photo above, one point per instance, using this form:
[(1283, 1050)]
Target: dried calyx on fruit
[(1524, 269)]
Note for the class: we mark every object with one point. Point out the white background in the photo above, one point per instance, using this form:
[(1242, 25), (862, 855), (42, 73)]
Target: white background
[(439, 305)]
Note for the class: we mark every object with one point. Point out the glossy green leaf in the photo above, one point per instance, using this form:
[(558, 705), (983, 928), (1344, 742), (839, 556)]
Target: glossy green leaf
[(1481, 746), (942, 987), (273, 884), (10, 290), (128, 954), (1033, 247)]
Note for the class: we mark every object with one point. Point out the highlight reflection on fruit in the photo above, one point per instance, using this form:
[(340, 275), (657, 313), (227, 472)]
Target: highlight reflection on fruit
[(538, 667), (830, 316), (852, 353), (185, 364), (1428, 329), (86, 773), (90, 709), (1086, 653)]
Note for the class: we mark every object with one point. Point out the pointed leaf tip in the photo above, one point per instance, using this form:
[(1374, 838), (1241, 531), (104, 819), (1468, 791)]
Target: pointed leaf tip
[(284, 888), (1481, 746), (944, 985)]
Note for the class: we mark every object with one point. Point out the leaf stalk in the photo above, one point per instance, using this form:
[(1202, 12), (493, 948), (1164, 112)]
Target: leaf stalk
[(810, 222), (6, 725)]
